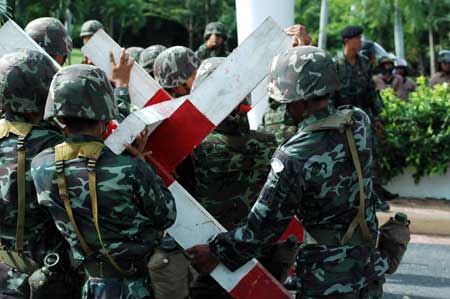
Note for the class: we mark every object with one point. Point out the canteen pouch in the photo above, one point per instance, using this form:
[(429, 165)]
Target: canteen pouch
[(394, 239), (169, 271), (18, 261)]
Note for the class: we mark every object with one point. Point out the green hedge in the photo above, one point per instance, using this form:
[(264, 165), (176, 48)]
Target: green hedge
[(416, 133)]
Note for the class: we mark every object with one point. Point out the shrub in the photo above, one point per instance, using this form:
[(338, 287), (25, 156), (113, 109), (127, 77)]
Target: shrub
[(416, 133)]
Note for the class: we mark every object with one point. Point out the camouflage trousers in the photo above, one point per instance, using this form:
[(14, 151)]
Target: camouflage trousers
[(117, 288), (13, 284)]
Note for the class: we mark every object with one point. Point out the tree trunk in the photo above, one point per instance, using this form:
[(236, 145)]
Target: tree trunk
[(398, 33), (323, 25), (431, 46)]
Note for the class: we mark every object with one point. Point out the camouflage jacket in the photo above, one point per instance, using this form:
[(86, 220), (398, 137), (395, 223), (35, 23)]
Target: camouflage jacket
[(203, 52), (357, 85), (231, 165), (40, 233), (134, 205), (313, 177), (279, 122)]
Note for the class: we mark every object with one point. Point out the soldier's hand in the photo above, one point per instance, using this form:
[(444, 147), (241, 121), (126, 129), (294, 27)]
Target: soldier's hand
[(122, 70), (138, 146), (300, 36), (202, 259)]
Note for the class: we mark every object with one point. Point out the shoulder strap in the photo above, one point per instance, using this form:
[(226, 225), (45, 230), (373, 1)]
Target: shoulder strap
[(21, 130), (342, 120), (92, 151)]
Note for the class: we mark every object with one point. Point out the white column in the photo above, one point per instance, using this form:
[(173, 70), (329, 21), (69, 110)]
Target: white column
[(250, 14)]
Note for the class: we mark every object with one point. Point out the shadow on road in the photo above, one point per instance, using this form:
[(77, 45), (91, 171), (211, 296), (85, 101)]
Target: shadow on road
[(418, 280)]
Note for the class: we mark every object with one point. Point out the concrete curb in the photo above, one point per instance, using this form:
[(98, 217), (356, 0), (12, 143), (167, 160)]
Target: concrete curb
[(428, 216)]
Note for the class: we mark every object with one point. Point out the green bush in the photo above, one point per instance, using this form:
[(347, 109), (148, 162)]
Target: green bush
[(416, 133)]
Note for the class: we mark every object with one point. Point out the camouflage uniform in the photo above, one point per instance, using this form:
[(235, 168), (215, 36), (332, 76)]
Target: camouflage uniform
[(51, 35), (357, 86), (25, 78), (203, 52), (134, 207), (313, 177), (90, 27), (148, 57), (278, 121), (134, 52), (441, 77)]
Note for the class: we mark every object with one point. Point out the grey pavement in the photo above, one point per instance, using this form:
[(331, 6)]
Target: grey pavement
[(424, 273)]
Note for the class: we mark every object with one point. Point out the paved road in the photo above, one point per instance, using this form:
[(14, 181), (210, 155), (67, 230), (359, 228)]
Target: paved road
[(424, 274)]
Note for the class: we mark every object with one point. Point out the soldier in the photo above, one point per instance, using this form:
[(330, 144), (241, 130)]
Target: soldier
[(51, 35), (443, 76), (112, 209), (322, 176), (358, 89), (368, 50), (387, 78), (88, 29), (26, 229), (148, 57), (406, 84), (215, 36), (230, 168), (134, 52)]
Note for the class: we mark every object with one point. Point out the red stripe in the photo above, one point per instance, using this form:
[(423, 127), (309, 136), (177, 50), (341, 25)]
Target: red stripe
[(167, 178), (259, 284), (178, 135), (160, 96), (294, 228)]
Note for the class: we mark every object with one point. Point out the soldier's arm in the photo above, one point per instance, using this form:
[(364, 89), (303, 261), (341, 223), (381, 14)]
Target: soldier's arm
[(121, 72), (156, 200), (269, 217)]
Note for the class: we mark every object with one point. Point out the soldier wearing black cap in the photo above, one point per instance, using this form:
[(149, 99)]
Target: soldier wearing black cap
[(358, 87)]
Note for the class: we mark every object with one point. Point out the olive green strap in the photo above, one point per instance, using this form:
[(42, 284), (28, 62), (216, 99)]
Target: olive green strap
[(360, 216), (94, 203), (20, 193), (64, 194)]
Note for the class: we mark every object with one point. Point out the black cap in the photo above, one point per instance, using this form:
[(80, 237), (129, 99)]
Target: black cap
[(351, 31)]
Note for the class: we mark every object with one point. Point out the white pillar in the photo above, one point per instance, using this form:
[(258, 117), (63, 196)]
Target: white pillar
[(250, 14), (323, 25)]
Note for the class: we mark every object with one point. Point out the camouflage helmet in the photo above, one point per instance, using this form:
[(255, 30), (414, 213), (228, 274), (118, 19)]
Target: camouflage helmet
[(174, 66), (90, 27), (206, 68), (301, 74), (385, 60), (399, 62), (444, 56), (81, 91), (217, 28), (51, 35), (148, 56), (25, 78), (134, 52)]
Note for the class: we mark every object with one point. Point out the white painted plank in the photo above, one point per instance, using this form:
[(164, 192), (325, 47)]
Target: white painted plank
[(142, 86), (240, 73), (194, 225), (13, 38), (150, 117)]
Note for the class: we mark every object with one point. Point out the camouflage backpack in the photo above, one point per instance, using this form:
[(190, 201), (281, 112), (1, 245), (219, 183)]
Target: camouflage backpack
[(81, 91), (302, 74), (51, 35), (148, 57), (174, 66), (90, 27), (215, 28), (25, 78)]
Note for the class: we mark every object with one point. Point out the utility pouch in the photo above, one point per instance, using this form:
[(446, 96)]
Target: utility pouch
[(394, 239), (18, 261), (169, 271)]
